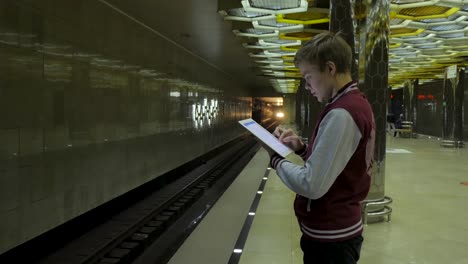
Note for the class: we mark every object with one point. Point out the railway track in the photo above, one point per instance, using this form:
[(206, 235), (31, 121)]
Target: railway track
[(125, 236)]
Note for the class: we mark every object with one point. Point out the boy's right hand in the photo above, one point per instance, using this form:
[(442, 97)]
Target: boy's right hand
[(289, 138)]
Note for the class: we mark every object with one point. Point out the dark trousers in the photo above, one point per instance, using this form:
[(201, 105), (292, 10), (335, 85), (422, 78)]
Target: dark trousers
[(344, 252)]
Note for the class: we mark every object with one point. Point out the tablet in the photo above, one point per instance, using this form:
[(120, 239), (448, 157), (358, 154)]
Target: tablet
[(265, 136)]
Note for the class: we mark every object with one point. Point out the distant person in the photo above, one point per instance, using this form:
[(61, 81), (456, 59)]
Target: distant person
[(336, 176), (390, 122), (398, 125)]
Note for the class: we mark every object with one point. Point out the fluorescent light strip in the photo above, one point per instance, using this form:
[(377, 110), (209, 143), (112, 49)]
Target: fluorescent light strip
[(264, 35), (290, 28), (301, 8)]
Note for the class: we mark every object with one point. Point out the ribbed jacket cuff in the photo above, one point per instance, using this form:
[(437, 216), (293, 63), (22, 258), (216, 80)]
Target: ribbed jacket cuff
[(302, 152), (275, 160)]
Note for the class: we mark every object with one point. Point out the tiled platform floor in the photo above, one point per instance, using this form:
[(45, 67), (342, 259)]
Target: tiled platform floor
[(429, 221)]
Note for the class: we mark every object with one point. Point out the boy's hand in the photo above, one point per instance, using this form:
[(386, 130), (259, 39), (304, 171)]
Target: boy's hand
[(289, 138)]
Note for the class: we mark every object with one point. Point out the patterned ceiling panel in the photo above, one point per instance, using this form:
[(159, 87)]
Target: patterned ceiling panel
[(425, 37), (275, 4), (424, 11), (240, 12), (273, 23)]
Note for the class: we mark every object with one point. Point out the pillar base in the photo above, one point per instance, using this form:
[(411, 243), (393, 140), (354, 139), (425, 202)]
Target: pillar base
[(374, 211), (448, 143)]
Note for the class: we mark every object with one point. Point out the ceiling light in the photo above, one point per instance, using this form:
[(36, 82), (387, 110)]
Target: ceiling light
[(256, 33), (275, 6), (239, 14), (272, 25)]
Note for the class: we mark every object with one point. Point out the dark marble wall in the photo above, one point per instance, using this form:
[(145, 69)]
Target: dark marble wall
[(93, 105)]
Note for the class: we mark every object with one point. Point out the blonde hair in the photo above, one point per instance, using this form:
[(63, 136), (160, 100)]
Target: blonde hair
[(326, 47)]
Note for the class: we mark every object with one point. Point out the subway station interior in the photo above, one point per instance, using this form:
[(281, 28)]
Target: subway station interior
[(120, 140)]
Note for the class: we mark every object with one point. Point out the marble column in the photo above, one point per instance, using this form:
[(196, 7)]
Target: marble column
[(299, 113), (289, 107), (302, 113), (373, 30), (414, 104), (409, 100), (452, 131), (459, 109), (342, 20), (307, 111), (452, 117)]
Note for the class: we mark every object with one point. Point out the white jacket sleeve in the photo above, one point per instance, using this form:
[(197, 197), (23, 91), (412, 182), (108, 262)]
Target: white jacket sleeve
[(337, 139)]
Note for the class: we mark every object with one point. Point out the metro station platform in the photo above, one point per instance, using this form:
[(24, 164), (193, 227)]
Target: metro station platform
[(429, 191)]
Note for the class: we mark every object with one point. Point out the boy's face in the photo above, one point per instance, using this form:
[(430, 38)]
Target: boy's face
[(317, 82)]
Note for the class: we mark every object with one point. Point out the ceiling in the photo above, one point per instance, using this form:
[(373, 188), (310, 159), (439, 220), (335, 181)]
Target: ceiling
[(426, 36), (254, 41), (197, 26)]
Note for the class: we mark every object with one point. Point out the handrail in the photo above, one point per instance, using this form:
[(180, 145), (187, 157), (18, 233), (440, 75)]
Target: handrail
[(386, 211)]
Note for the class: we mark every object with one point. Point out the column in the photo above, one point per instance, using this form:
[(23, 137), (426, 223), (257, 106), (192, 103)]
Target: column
[(299, 103), (459, 101), (414, 104), (289, 107), (452, 108), (410, 94), (373, 31), (342, 20), (409, 98)]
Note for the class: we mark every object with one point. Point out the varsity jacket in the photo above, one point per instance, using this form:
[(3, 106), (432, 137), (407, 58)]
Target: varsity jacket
[(336, 175)]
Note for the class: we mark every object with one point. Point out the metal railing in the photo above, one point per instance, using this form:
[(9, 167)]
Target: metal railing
[(385, 210)]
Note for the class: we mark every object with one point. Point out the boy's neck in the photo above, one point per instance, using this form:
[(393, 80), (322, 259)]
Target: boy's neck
[(341, 81)]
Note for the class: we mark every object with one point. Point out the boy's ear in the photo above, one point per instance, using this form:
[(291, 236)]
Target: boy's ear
[(331, 67)]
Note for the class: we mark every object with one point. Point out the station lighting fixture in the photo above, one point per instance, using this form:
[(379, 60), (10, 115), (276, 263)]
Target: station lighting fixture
[(311, 17), (272, 24), (258, 46), (271, 61), (256, 33), (302, 36), (272, 43), (275, 6), (239, 14)]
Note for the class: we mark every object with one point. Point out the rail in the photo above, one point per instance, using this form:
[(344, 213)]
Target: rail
[(385, 210)]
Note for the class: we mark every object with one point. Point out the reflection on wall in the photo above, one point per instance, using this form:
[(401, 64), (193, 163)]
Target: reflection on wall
[(205, 113), (88, 113)]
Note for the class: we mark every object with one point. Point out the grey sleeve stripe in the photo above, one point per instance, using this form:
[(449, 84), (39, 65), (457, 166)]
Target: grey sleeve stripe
[(337, 140)]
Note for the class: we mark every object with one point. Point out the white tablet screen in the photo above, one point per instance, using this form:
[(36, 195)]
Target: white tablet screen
[(266, 137)]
